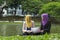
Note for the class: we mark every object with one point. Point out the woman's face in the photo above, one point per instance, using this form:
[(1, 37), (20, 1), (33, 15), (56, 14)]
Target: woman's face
[(43, 17)]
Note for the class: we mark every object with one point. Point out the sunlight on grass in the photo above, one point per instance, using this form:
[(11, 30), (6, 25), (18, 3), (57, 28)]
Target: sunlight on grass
[(31, 37)]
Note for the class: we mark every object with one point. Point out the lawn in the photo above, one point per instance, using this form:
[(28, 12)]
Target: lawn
[(31, 37)]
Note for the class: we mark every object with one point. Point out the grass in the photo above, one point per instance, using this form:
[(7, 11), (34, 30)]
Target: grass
[(31, 37)]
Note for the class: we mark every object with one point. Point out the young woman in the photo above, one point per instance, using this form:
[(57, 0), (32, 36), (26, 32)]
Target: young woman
[(45, 23), (27, 25)]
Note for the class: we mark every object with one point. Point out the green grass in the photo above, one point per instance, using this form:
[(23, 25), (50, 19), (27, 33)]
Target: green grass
[(31, 37)]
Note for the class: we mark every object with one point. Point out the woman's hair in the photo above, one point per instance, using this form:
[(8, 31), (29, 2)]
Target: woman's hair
[(28, 20)]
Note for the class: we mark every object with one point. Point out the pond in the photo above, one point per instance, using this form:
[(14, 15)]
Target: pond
[(12, 29)]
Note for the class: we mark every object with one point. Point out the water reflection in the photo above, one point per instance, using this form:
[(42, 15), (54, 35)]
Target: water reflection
[(13, 29), (10, 30)]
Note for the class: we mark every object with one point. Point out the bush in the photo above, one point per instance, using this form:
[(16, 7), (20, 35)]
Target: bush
[(52, 8)]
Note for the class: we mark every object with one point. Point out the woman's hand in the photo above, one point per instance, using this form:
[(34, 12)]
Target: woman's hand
[(24, 31), (29, 31), (41, 30)]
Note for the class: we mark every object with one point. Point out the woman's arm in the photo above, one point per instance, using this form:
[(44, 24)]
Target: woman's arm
[(33, 24), (23, 28), (42, 27)]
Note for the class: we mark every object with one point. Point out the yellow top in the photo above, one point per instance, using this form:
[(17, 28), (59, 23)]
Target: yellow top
[(28, 21)]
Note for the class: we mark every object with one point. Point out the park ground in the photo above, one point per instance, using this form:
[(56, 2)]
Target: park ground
[(31, 37)]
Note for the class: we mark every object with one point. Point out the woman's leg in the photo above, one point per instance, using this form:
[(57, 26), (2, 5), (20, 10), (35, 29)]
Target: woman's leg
[(25, 33), (49, 27)]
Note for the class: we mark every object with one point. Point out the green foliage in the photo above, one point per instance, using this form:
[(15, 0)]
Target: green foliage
[(31, 5), (1, 1), (52, 8), (40, 37)]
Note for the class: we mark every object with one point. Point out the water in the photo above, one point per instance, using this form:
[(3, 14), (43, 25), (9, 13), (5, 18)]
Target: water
[(10, 30), (3, 29), (16, 29)]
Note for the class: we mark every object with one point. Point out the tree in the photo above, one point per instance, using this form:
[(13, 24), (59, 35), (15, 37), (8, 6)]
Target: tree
[(1, 7), (53, 8), (31, 5)]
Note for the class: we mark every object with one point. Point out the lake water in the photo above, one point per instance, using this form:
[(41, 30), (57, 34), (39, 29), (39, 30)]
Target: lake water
[(7, 30), (16, 29)]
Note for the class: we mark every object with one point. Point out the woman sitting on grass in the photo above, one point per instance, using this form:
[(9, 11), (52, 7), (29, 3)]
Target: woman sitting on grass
[(27, 25), (45, 23)]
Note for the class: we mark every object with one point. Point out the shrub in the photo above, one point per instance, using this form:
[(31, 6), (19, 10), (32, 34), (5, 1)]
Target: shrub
[(52, 8)]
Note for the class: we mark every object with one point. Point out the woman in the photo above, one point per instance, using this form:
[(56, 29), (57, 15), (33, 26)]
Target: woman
[(45, 23), (27, 25)]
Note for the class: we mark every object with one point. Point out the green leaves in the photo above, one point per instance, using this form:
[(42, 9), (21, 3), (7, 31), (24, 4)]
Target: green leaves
[(32, 5), (31, 37), (52, 8)]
